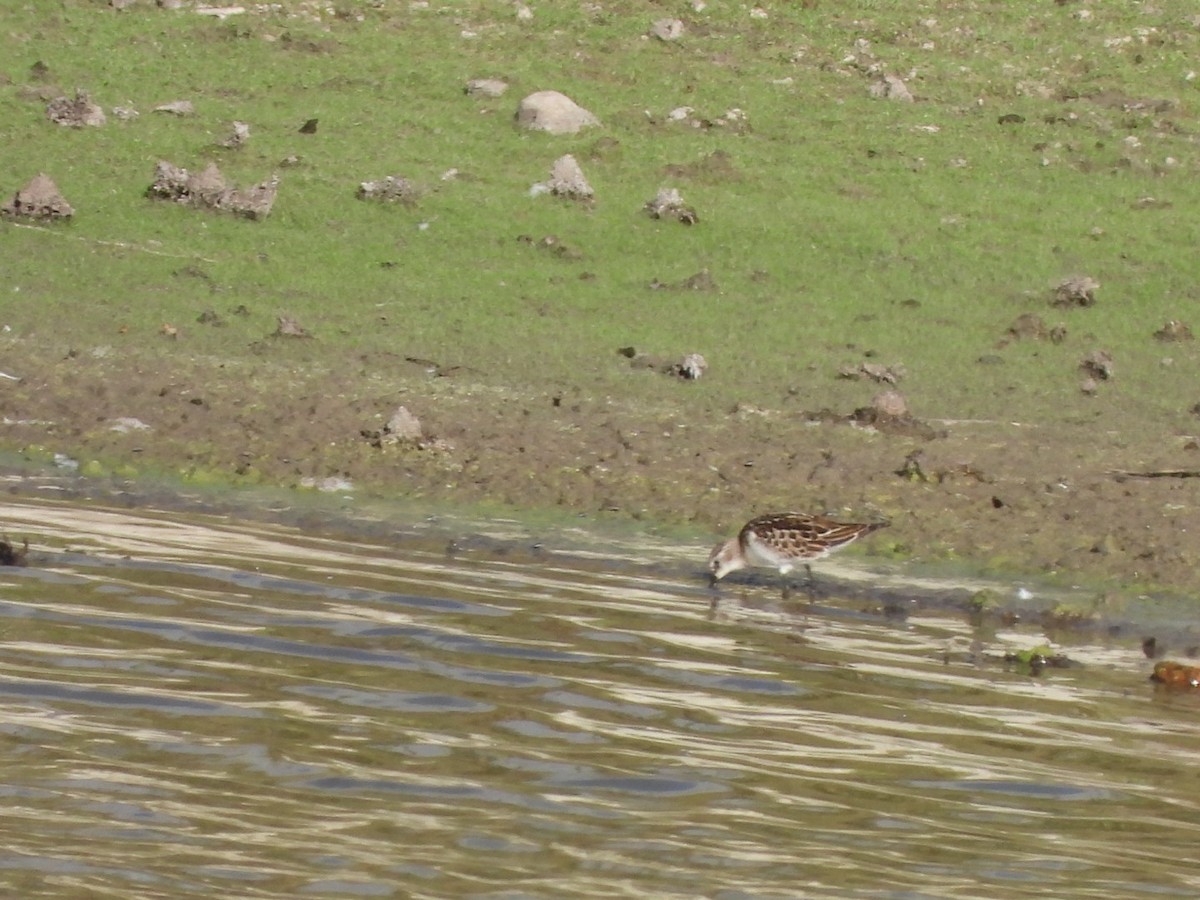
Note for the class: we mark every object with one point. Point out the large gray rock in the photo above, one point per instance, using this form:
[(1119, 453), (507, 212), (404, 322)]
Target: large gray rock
[(553, 112)]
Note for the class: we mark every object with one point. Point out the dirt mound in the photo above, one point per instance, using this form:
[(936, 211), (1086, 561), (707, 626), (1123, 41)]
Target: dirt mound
[(40, 199), (208, 190)]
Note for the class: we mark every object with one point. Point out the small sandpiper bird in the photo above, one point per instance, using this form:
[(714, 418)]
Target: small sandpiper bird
[(783, 541)]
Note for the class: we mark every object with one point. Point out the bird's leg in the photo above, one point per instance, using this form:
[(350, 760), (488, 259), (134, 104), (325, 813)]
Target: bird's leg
[(811, 586), (714, 591)]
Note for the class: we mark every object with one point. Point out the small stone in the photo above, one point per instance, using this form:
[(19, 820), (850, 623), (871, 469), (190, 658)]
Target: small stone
[(126, 424), (486, 87), (667, 29), (177, 108), (890, 87)]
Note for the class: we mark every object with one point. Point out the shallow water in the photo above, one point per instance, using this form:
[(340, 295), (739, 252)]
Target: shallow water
[(206, 706)]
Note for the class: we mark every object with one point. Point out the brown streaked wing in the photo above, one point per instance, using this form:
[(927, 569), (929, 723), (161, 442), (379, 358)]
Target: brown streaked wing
[(806, 533)]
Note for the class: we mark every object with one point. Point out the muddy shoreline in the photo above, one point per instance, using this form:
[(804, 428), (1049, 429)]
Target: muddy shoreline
[(993, 497)]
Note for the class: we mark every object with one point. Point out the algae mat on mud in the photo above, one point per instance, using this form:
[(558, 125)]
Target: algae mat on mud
[(922, 235)]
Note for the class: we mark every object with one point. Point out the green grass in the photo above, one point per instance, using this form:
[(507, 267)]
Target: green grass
[(842, 207)]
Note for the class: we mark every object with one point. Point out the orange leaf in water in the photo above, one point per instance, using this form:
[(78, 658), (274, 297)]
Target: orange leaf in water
[(1176, 675)]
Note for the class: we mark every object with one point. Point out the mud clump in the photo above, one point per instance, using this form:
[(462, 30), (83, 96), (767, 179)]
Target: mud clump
[(668, 203), (887, 414), (1098, 364), (1174, 331), (208, 190), (75, 112), (1077, 291), (567, 180), (287, 327), (40, 199), (11, 555), (404, 429), (701, 281), (392, 189), (1031, 327), (874, 371), (237, 139), (491, 88), (690, 368)]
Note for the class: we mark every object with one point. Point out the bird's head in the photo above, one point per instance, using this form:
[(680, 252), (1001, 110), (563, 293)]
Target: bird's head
[(726, 557)]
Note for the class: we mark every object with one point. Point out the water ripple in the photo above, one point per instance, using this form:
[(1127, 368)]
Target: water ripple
[(206, 706)]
